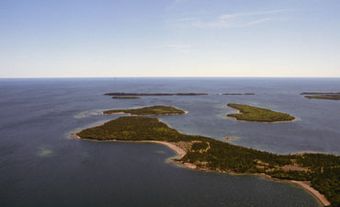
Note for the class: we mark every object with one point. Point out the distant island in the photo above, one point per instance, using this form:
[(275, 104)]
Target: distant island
[(311, 171), (238, 94), (150, 110), (257, 114), (154, 94), (322, 95), (125, 97)]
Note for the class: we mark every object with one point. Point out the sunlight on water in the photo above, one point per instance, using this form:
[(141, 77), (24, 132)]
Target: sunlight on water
[(45, 152), (86, 114)]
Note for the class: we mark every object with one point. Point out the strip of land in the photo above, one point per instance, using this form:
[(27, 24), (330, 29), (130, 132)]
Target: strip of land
[(154, 94), (125, 97), (204, 153), (149, 110), (238, 94), (322, 95), (257, 114)]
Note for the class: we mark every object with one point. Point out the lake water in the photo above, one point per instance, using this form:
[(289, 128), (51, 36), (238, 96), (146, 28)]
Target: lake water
[(40, 165)]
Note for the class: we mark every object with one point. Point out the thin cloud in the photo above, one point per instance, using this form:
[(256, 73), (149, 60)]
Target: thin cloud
[(241, 19), (258, 21)]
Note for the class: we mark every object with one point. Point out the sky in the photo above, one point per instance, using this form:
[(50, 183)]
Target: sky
[(115, 38)]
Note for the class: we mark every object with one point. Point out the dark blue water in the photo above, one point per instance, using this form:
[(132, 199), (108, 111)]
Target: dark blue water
[(41, 166)]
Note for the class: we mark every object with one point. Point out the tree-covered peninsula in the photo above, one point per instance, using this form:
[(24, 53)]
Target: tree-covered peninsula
[(321, 171), (257, 114)]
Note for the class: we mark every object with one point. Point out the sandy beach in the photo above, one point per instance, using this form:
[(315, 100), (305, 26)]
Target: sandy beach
[(306, 186), (180, 153)]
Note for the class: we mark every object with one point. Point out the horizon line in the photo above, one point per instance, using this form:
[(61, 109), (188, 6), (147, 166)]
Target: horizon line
[(100, 77)]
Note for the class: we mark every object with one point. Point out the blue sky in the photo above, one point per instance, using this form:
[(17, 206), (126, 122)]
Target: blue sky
[(95, 38)]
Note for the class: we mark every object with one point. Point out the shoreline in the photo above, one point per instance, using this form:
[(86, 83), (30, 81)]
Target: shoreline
[(180, 153), (238, 111), (316, 194), (264, 122), (302, 184)]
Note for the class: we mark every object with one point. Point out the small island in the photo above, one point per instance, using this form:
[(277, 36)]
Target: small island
[(149, 110), (257, 114), (125, 97), (154, 94), (322, 95), (238, 94), (310, 171)]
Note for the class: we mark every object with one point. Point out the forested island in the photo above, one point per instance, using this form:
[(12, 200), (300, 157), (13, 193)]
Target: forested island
[(257, 114), (149, 110), (125, 97), (321, 171), (238, 94), (322, 95), (154, 94)]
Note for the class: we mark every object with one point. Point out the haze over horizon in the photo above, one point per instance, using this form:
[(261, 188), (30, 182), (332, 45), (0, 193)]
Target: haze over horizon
[(146, 38)]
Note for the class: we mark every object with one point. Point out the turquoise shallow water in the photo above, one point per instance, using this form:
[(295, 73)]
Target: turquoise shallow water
[(41, 165)]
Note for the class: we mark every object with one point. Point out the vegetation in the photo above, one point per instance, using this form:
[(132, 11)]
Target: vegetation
[(125, 97), (206, 153), (327, 97), (322, 95), (252, 113), (150, 110), (238, 94), (154, 94)]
